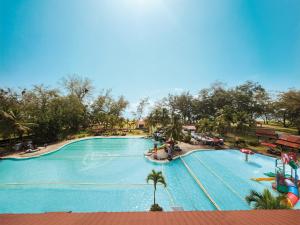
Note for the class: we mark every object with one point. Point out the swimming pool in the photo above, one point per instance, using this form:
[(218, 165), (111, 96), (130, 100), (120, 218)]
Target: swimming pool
[(108, 174)]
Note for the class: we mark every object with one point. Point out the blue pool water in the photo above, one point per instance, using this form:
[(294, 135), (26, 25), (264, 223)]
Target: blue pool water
[(108, 174)]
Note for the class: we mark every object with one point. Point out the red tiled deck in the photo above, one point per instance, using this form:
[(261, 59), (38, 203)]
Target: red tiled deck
[(255, 217)]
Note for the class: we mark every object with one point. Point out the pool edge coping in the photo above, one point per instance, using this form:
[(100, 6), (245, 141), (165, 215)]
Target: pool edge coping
[(196, 150), (176, 157)]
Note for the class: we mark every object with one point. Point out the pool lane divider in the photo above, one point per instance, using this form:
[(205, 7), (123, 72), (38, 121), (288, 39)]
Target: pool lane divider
[(200, 185), (220, 178)]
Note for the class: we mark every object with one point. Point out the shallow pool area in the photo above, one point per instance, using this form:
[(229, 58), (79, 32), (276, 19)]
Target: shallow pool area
[(109, 174)]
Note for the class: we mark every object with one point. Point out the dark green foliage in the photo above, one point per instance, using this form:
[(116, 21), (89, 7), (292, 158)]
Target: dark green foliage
[(187, 138), (253, 143), (174, 129), (239, 142), (219, 109), (48, 115), (156, 208), (266, 200)]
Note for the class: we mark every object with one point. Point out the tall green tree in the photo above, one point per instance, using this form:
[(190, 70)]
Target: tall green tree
[(174, 129), (140, 109), (289, 107), (107, 111), (77, 85), (182, 104), (159, 116), (247, 103), (10, 126)]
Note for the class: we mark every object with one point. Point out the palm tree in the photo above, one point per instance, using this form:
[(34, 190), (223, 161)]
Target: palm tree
[(174, 130), (132, 124), (157, 178), (10, 125), (266, 200)]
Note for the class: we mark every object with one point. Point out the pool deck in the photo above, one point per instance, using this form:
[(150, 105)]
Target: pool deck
[(254, 217), (42, 150), (186, 149)]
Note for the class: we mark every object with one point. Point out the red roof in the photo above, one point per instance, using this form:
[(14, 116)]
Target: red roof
[(290, 138), (268, 144), (254, 217), (288, 144), (264, 132)]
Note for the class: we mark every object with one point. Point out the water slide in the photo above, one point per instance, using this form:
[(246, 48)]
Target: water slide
[(293, 193), (263, 179), (272, 174)]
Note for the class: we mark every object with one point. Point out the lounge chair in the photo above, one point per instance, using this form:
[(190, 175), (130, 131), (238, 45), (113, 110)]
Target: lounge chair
[(274, 151), (31, 150), (177, 148)]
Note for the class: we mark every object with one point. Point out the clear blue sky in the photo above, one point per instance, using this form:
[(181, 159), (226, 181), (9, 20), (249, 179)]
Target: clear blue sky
[(150, 47)]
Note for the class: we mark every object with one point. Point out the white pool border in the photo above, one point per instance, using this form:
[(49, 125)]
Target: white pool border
[(178, 156)]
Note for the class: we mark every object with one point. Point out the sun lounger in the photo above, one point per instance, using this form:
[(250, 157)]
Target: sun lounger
[(31, 150), (177, 149), (274, 151)]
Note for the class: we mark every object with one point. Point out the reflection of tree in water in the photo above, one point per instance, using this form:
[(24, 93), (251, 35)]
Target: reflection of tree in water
[(95, 160)]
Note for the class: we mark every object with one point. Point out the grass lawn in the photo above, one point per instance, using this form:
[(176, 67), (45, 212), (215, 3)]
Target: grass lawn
[(252, 141), (280, 128)]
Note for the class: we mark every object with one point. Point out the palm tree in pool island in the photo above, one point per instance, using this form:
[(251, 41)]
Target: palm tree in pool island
[(266, 200), (174, 130), (156, 178)]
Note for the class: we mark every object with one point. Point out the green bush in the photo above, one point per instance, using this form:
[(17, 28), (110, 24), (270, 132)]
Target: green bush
[(156, 208), (240, 143), (187, 138), (253, 143)]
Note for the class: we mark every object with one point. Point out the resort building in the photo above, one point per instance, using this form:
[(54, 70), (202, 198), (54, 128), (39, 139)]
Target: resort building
[(140, 124), (266, 134), (288, 141)]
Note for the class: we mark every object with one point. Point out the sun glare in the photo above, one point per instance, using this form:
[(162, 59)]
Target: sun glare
[(144, 4)]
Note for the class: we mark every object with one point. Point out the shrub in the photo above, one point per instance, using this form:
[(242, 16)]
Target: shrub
[(156, 208), (253, 143), (187, 138), (240, 143)]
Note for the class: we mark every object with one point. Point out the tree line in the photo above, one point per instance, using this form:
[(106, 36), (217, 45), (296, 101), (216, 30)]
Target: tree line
[(50, 114), (220, 109)]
